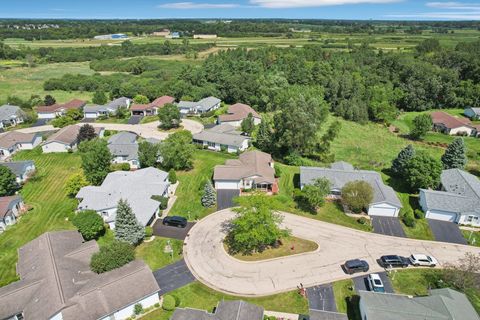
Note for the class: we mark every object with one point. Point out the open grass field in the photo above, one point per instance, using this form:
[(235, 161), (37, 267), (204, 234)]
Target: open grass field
[(50, 206)]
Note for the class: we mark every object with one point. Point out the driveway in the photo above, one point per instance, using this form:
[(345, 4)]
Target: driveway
[(389, 226), (360, 282), (135, 119), (446, 231), (225, 198), (171, 232), (40, 122), (173, 276), (326, 315), (321, 298), (209, 262)]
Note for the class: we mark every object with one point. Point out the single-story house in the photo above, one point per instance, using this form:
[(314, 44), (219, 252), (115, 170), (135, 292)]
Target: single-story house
[(11, 115), (197, 107), (441, 304), (448, 124), (222, 137), (56, 283), (124, 148), (152, 107), (136, 187), (458, 199), (58, 110), (237, 113), (10, 209), (252, 170), (14, 141), (94, 111), (21, 169), (65, 139), (385, 200), (225, 310), (472, 113)]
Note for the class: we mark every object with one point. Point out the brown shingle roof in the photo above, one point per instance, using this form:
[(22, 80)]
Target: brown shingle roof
[(11, 138), (251, 163), (68, 135), (237, 112), (157, 103), (5, 204), (449, 121), (72, 104)]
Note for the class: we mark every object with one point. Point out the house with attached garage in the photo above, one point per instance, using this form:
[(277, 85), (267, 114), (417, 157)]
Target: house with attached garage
[(198, 107), (124, 148), (385, 200), (472, 113), (11, 115), (252, 170), (21, 169), (222, 137), (225, 310), (65, 139), (237, 113), (56, 283), (58, 110), (94, 111), (151, 108), (13, 141), (10, 209), (458, 199), (448, 124), (136, 187)]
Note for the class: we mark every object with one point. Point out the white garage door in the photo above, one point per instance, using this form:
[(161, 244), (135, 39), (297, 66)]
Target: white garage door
[(440, 215), (229, 185), (384, 211)]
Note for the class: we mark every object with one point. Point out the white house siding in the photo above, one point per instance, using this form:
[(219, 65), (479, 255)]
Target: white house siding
[(441, 215), (49, 115), (55, 146), (128, 311), (91, 115), (58, 316), (462, 129), (228, 184), (383, 209), (133, 163), (30, 146), (5, 153), (8, 221), (472, 219), (232, 123)]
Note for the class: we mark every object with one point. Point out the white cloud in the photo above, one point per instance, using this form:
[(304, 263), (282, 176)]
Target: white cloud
[(439, 15), (312, 3), (454, 5), (193, 5)]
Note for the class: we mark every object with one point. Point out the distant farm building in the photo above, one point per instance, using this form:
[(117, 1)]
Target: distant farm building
[(115, 36)]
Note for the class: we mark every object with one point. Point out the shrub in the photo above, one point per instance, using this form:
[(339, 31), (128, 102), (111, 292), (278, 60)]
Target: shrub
[(408, 218), (89, 223), (362, 221), (74, 184), (120, 167), (163, 201), (148, 232), (137, 309), (172, 176), (168, 303), (112, 256), (278, 170), (419, 214), (125, 167)]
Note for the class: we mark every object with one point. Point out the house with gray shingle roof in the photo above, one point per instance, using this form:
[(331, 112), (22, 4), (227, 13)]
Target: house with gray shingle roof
[(21, 169), (11, 115), (458, 199), (198, 107), (94, 111), (124, 148), (222, 137), (441, 304), (472, 113), (225, 310), (385, 200)]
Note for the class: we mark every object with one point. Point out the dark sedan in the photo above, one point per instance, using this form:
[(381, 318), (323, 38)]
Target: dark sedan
[(175, 221)]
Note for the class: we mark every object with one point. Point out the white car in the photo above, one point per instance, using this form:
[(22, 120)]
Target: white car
[(422, 260), (375, 284)]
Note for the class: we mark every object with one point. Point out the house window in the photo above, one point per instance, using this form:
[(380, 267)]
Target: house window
[(211, 144), (472, 219)]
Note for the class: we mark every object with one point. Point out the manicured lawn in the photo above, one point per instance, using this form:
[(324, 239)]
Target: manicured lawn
[(343, 291), (473, 238), (50, 206), (153, 252), (192, 182), (421, 230), (290, 246), (148, 119)]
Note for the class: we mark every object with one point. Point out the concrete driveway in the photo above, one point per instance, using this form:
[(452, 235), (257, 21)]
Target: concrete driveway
[(173, 276), (209, 262), (389, 226), (361, 282), (446, 231)]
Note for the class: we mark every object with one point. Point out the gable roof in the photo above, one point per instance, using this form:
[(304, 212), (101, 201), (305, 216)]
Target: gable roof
[(68, 135), (7, 203), (55, 277), (124, 144), (225, 310), (449, 121), (72, 104), (157, 103), (237, 112), (11, 138), (250, 164), (475, 110), (8, 111), (204, 104), (222, 134), (18, 167), (109, 107)]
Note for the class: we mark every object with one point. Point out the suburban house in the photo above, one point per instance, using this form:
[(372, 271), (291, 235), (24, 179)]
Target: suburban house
[(441, 304), (237, 113), (198, 107), (448, 124), (223, 137), (65, 139), (136, 187), (385, 201), (56, 283), (10, 116), (472, 113), (10, 208), (151, 108), (58, 110), (14, 141), (124, 148), (225, 310), (252, 170), (94, 111), (21, 169), (457, 201)]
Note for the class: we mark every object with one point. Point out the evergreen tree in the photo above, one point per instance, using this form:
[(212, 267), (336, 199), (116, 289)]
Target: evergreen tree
[(455, 156), (127, 227), (401, 161), (248, 124), (209, 198), (49, 100), (86, 132), (8, 182)]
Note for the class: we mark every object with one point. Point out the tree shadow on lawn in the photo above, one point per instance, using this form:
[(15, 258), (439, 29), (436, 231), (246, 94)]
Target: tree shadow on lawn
[(353, 307)]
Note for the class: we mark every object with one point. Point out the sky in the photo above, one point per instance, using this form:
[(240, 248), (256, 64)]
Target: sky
[(291, 9)]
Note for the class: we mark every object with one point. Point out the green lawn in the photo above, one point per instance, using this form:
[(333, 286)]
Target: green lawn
[(343, 290), (153, 252), (473, 238), (50, 206), (192, 182)]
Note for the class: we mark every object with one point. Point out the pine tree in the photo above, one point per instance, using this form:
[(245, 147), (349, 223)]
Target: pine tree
[(127, 227), (455, 156), (399, 164), (209, 198)]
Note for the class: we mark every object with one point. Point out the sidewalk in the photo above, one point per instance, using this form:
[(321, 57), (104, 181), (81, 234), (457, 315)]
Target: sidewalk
[(281, 315)]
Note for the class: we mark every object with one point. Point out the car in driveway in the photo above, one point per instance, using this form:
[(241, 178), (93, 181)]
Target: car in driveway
[(356, 265), (175, 221), (375, 283), (423, 260), (394, 261)]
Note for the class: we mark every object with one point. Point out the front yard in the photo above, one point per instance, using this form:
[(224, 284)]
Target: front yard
[(153, 253)]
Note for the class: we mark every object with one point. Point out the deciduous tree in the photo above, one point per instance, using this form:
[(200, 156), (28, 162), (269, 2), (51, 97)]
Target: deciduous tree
[(421, 125), (169, 116), (177, 151), (99, 97), (314, 194), (423, 171), (112, 256), (86, 132), (89, 223), (357, 195), (49, 100), (74, 183), (8, 182), (248, 124), (96, 158), (148, 154)]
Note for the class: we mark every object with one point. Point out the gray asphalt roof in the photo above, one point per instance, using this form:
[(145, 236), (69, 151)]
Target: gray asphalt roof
[(7, 111), (109, 107), (475, 110), (339, 177), (222, 134), (226, 310), (124, 144), (205, 104), (18, 167)]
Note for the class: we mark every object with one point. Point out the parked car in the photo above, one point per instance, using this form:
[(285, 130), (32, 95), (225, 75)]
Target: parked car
[(356, 265), (175, 221), (375, 283), (394, 261), (423, 260)]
